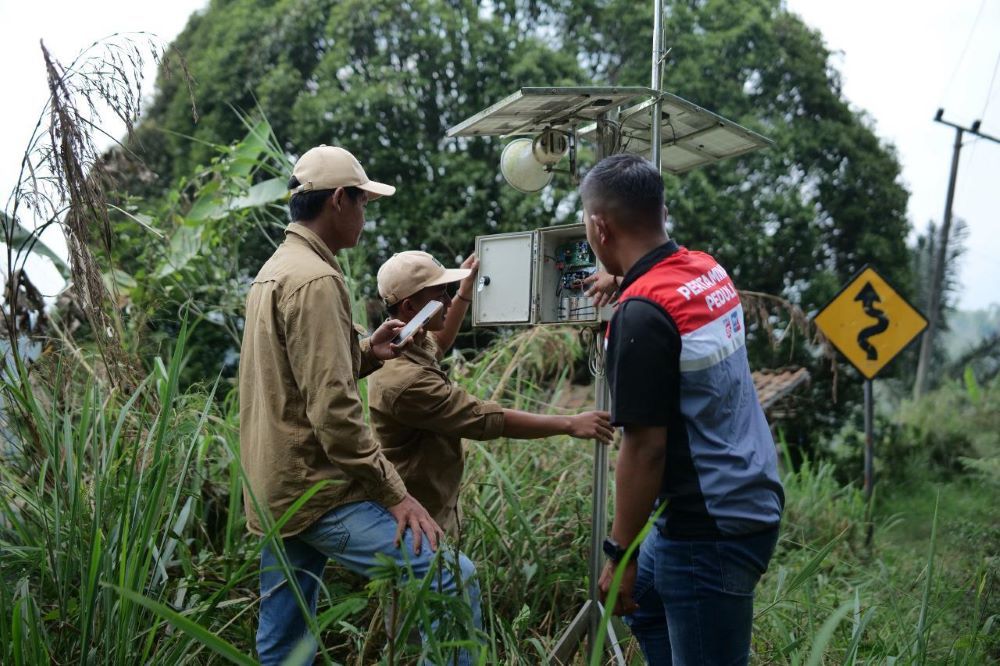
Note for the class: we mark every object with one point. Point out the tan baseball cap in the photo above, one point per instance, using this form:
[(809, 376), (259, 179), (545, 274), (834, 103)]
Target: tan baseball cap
[(329, 167), (406, 273)]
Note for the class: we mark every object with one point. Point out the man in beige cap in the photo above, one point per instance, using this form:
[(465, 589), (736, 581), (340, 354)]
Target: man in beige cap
[(318, 485), (419, 415)]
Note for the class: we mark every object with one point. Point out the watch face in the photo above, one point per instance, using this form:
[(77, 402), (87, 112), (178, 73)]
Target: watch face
[(613, 550)]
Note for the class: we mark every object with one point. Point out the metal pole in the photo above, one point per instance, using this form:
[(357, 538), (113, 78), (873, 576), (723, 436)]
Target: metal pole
[(869, 461), (937, 275), (589, 617), (599, 517), (657, 80), (869, 441)]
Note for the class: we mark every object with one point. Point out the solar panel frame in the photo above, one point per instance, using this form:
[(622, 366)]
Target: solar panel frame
[(690, 135), (531, 110)]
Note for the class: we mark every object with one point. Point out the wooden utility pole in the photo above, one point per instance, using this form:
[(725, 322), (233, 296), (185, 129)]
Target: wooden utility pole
[(941, 254)]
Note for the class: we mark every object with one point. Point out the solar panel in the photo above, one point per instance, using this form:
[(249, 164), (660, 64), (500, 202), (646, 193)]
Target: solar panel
[(690, 136), (532, 110)]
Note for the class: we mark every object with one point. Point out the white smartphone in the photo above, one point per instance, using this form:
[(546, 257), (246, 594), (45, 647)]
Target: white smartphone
[(421, 318)]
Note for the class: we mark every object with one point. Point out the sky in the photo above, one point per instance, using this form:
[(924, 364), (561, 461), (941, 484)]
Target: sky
[(900, 61)]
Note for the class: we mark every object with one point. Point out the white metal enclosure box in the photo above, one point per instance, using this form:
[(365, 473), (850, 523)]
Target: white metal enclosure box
[(534, 277)]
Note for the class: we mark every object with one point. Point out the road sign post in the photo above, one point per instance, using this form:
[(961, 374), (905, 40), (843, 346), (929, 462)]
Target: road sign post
[(869, 459), (870, 324)]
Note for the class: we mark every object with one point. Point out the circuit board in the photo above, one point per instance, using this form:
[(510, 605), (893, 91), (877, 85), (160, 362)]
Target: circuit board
[(575, 262)]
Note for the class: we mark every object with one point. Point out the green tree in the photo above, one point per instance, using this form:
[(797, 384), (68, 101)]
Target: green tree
[(387, 79), (925, 251), (383, 79)]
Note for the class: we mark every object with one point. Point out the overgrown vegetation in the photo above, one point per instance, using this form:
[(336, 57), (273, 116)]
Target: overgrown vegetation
[(123, 537), (121, 526)]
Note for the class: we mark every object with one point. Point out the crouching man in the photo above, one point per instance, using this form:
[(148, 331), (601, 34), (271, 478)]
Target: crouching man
[(419, 415)]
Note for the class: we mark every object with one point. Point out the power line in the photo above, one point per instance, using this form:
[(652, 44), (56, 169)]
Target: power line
[(993, 79), (975, 140), (961, 58)]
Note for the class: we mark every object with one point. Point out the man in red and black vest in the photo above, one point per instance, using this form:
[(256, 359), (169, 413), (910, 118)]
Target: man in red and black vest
[(695, 438)]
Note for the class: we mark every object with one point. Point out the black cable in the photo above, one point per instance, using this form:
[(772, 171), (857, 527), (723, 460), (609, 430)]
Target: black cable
[(961, 58), (989, 92)]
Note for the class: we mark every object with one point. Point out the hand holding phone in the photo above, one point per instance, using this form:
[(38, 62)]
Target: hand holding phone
[(421, 318)]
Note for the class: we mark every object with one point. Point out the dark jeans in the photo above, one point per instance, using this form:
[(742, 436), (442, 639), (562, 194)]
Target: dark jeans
[(696, 598)]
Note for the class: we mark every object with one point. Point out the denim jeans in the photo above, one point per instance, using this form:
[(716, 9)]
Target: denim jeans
[(352, 535), (696, 598)]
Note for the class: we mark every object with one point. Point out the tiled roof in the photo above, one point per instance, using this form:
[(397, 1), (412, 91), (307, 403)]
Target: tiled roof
[(773, 385)]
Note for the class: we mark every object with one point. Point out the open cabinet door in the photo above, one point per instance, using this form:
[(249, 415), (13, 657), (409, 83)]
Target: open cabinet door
[(503, 293)]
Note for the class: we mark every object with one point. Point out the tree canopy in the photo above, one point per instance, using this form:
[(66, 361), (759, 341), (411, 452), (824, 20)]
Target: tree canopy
[(386, 80)]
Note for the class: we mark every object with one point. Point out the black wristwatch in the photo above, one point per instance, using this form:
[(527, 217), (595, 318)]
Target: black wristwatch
[(615, 552)]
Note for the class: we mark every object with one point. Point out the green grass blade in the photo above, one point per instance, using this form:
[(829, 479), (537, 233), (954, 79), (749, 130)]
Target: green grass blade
[(825, 634), (922, 626), (596, 656), (807, 572), (213, 642)]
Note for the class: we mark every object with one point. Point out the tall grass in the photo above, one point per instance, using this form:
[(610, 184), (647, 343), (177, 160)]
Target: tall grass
[(122, 540), (99, 496)]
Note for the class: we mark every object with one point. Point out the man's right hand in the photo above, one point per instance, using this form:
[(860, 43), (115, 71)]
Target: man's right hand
[(603, 288), (381, 341), (592, 425), (411, 514)]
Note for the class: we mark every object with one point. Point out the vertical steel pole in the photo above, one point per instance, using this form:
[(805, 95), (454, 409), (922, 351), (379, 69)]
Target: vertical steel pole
[(599, 518), (937, 274), (869, 441), (599, 515), (869, 460), (657, 79)]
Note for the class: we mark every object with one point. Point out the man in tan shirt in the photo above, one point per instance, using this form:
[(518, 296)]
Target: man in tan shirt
[(419, 415), (317, 484)]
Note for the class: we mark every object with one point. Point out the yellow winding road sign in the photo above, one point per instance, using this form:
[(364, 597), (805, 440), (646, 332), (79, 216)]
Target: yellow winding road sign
[(869, 322)]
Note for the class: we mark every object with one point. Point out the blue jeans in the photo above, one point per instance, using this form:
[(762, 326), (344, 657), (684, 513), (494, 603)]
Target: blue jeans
[(352, 535), (696, 598)]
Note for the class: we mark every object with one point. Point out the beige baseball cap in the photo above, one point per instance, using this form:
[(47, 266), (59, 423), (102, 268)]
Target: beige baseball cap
[(406, 273), (329, 167)]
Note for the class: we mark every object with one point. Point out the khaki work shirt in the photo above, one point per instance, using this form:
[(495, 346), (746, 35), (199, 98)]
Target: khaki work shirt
[(420, 417), (301, 419)]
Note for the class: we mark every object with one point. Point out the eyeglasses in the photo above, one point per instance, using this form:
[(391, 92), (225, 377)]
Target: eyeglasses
[(445, 291)]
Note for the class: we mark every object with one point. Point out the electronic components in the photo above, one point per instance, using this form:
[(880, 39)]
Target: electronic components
[(574, 254), (575, 262), (536, 277), (573, 278)]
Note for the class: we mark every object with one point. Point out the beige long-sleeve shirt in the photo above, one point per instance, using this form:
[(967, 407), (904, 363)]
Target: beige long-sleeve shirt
[(301, 419), (420, 417)]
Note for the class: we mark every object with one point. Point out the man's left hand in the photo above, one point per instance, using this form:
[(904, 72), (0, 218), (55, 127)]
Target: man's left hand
[(381, 341), (467, 285), (624, 604)]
